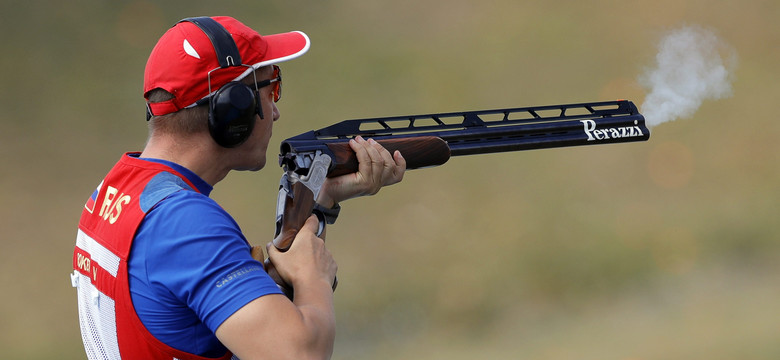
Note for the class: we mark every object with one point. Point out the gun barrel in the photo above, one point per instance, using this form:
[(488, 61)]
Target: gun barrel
[(491, 131), (549, 135)]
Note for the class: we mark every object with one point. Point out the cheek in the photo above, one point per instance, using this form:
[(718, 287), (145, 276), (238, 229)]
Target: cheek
[(262, 132), (270, 111), (264, 126)]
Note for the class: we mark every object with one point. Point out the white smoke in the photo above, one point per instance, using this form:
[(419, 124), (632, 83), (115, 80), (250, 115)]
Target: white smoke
[(692, 65)]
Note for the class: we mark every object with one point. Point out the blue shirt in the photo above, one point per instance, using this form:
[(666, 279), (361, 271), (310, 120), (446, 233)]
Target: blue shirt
[(190, 266)]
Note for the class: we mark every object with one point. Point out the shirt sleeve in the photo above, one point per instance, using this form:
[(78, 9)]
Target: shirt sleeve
[(201, 257)]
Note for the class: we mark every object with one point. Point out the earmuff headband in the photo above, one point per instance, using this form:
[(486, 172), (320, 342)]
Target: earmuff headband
[(224, 45)]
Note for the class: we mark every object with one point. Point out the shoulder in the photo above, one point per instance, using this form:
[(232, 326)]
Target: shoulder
[(191, 226), (184, 222), (162, 186), (174, 203)]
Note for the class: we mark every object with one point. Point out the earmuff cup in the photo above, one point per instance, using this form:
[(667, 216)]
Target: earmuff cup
[(232, 108), (232, 111)]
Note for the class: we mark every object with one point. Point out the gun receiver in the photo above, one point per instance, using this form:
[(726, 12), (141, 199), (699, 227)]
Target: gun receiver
[(430, 140)]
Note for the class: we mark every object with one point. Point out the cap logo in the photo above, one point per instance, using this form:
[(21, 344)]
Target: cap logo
[(190, 50)]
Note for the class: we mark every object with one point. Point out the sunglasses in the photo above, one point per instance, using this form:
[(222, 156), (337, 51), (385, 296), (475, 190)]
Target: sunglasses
[(276, 82)]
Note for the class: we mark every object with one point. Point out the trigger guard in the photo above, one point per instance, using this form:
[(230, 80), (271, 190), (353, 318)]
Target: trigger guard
[(321, 222)]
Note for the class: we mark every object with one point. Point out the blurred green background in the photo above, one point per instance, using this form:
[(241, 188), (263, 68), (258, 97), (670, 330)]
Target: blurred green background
[(660, 250)]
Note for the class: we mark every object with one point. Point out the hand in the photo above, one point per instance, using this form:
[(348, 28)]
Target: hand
[(306, 261), (376, 168), (257, 254)]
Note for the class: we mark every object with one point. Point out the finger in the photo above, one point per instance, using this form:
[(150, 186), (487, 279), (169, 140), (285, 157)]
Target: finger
[(273, 273), (270, 269), (271, 250), (377, 166), (387, 158), (390, 170), (358, 145), (399, 169), (377, 162), (399, 160)]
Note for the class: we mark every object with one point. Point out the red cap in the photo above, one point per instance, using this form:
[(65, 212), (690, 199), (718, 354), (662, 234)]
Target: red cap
[(184, 55)]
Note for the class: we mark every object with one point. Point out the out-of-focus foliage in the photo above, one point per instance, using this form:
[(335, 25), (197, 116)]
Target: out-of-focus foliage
[(659, 250)]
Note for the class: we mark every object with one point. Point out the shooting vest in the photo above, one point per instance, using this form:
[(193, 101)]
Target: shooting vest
[(110, 327)]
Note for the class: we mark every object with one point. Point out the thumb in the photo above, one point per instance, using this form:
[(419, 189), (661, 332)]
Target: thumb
[(312, 224), (271, 250)]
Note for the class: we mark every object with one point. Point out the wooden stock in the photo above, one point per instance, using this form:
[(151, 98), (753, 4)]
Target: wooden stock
[(296, 210), (419, 151)]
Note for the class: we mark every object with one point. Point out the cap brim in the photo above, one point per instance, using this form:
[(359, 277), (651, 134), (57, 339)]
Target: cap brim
[(282, 47), (285, 46)]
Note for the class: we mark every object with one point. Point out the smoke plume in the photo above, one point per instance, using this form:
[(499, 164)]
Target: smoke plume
[(692, 65)]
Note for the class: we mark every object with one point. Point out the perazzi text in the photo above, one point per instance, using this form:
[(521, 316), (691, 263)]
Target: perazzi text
[(589, 126)]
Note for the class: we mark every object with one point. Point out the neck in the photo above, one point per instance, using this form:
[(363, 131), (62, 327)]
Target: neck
[(199, 154)]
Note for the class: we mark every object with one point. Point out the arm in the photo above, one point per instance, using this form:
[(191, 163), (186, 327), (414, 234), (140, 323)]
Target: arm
[(272, 327)]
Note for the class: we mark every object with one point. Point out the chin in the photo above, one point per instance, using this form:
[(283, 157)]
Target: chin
[(251, 168), (250, 159)]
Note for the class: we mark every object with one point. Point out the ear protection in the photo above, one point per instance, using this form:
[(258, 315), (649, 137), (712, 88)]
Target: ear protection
[(232, 108)]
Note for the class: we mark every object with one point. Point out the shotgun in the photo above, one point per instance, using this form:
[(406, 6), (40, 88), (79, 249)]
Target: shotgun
[(430, 140)]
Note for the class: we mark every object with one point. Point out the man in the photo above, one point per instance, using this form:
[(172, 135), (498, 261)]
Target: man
[(162, 271)]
